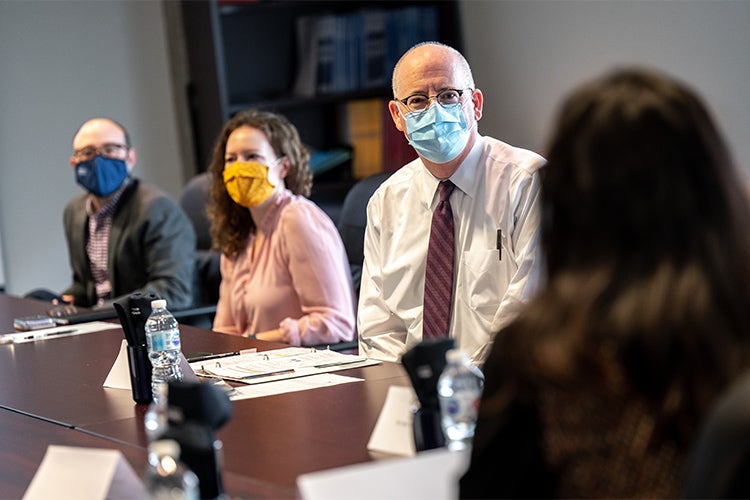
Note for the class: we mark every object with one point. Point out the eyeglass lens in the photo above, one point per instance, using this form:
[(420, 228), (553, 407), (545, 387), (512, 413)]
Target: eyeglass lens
[(447, 97), (109, 150)]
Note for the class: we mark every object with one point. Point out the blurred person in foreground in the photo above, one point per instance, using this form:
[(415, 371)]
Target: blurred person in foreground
[(600, 385), (284, 272)]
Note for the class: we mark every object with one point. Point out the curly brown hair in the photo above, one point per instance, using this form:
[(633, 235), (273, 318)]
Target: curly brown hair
[(232, 224)]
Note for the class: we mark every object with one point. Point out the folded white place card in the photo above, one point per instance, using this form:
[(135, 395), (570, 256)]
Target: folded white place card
[(74, 473), (394, 430), (430, 475), (119, 375)]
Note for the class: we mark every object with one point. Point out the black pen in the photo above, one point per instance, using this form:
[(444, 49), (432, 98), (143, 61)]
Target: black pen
[(500, 244), (269, 374), (46, 334), (212, 356), (339, 363)]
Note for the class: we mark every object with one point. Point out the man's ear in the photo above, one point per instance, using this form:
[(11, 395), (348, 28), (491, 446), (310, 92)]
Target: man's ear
[(131, 159), (398, 118), (477, 98)]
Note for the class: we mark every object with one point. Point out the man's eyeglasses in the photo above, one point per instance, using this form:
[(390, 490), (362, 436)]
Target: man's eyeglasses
[(108, 150), (446, 97)]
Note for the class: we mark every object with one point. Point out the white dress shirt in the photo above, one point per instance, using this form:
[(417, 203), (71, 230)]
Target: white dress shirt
[(497, 188)]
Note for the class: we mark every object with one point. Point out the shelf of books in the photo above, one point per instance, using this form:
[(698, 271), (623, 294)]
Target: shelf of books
[(326, 65), (340, 53)]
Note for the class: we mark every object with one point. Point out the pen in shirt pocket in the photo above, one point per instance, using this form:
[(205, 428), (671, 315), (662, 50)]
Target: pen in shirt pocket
[(499, 244)]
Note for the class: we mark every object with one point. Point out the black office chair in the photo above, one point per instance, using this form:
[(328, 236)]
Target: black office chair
[(207, 275), (351, 226), (353, 221), (720, 464)]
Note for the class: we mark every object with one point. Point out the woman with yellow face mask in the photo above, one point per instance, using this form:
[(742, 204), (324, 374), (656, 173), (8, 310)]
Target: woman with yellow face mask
[(284, 271)]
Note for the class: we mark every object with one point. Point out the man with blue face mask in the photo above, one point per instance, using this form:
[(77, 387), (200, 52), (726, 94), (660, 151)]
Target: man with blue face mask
[(123, 235), (451, 245)]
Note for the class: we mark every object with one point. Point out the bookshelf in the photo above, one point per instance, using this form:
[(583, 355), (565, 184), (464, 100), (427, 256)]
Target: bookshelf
[(321, 64)]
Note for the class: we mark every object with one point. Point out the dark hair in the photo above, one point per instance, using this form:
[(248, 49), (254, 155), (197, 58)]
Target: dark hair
[(648, 259), (231, 224)]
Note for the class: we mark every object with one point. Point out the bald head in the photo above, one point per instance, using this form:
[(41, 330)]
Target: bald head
[(101, 127), (427, 57)]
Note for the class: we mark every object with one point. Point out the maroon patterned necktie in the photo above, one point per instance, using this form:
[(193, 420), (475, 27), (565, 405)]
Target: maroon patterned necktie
[(438, 279)]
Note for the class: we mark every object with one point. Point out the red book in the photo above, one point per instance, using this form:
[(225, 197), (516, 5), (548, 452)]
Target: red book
[(396, 149)]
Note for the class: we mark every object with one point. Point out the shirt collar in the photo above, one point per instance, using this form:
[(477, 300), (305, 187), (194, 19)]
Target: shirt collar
[(108, 208), (465, 177)]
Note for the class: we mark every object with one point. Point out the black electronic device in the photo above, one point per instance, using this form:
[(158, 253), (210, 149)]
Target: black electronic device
[(133, 312), (196, 411), (424, 363), (71, 315)]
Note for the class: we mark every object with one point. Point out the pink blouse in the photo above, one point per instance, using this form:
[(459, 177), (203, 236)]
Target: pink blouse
[(298, 280)]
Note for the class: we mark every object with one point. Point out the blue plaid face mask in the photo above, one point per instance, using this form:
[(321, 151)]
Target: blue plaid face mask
[(101, 176), (438, 133)]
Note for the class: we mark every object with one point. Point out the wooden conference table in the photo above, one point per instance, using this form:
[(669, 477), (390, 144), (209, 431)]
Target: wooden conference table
[(51, 393)]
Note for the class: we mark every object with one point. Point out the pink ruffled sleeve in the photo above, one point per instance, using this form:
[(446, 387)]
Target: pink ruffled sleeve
[(321, 277)]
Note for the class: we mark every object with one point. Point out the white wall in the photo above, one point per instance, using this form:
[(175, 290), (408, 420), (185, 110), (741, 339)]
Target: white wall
[(63, 62), (2, 272), (526, 55)]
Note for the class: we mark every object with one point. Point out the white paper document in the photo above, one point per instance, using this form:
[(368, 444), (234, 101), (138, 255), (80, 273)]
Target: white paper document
[(57, 332), (278, 364), (290, 385), (430, 475), (68, 472)]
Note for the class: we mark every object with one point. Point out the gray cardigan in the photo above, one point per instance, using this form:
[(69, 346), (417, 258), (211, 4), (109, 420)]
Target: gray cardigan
[(151, 248)]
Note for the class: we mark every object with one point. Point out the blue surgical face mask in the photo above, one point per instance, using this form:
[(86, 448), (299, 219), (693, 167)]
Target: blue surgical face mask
[(101, 176), (438, 133)]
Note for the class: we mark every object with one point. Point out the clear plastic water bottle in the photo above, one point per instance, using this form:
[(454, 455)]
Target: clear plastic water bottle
[(156, 420), (163, 339), (167, 478), (459, 391)]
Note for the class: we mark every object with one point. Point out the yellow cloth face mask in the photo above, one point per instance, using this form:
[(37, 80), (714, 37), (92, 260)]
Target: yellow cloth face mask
[(247, 183)]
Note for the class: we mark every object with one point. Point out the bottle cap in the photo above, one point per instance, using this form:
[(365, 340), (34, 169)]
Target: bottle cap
[(454, 355), (158, 304)]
